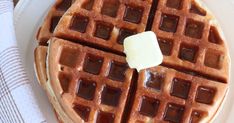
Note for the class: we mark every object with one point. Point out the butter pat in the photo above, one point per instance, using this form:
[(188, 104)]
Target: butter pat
[(142, 51)]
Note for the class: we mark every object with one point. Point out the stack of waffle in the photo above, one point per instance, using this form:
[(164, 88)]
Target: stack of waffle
[(80, 62)]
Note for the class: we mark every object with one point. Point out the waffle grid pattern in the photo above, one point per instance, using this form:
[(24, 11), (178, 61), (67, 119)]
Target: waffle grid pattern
[(188, 39), (56, 12), (93, 93), (166, 103), (188, 36), (107, 23)]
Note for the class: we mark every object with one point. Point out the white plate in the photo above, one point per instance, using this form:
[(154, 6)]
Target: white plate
[(30, 13)]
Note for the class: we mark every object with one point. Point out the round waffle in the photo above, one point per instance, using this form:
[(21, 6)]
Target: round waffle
[(45, 32), (111, 91), (95, 84), (40, 66), (56, 12)]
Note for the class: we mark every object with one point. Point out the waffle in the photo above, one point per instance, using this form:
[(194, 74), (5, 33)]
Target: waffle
[(191, 40), (40, 54), (101, 22), (189, 86), (56, 12), (44, 33), (166, 95), (89, 82), (188, 33)]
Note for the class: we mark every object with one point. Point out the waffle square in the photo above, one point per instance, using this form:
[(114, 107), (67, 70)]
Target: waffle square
[(189, 40), (45, 32), (99, 92), (166, 95), (104, 23), (92, 82)]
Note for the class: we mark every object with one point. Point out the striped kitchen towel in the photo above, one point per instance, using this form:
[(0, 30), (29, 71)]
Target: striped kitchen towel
[(17, 101)]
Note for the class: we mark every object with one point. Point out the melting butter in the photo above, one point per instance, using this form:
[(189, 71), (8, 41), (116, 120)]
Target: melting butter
[(142, 50)]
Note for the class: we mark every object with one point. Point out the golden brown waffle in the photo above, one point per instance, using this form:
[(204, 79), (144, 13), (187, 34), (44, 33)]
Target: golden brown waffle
[(104, 23), (166, 95), (188, 34), (196, 61), (87, 82), (56, 12), (191, 40), (40, 54), (44, 34)]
